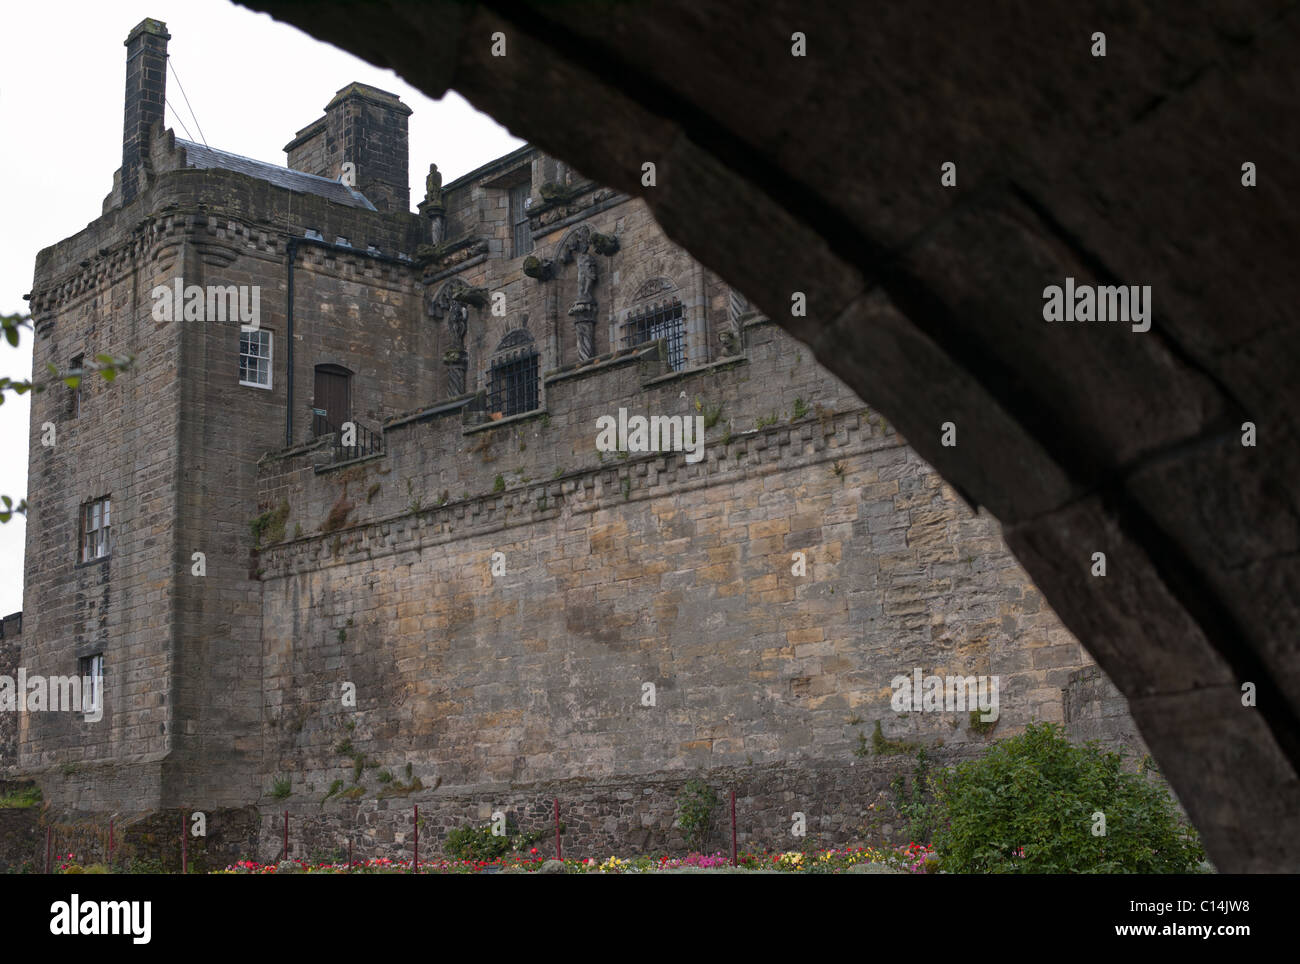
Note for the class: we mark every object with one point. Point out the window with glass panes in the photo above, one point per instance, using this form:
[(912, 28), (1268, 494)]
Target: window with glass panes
[(255, 358), (523, 237), (92, 670), (95, 529)]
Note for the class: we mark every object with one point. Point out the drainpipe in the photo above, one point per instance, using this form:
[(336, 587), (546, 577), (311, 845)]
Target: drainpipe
[(290, 251)]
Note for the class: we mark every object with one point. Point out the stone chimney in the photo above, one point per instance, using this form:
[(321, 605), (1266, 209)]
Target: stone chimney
[(365, 127), (146, 93)]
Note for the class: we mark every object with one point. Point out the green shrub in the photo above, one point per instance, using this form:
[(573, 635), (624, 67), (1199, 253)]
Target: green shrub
[(915, 800), (268, 528), (280, 788), (1027, 806), (21, 798), (695, 806), (479, 843)]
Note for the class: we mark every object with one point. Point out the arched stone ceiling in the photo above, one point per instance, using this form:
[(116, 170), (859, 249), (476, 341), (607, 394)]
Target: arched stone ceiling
[(821, 174)]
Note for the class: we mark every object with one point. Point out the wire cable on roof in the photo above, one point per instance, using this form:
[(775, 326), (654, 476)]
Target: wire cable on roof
[(179, 121), (187, 102)]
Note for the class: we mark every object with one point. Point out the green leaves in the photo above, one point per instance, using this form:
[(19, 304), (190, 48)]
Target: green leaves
[(11, 324), (8, 511), (1028, 806), (695, 806)]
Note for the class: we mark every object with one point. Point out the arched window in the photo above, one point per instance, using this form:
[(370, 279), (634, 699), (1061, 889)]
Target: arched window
[(512, 378)]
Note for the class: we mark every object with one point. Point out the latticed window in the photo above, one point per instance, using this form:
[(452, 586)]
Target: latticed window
[(95, 529), (663, 320), (523, 236), (255, 358), (512, 380)]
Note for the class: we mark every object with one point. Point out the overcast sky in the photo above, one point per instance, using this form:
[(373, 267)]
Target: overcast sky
[(252, 83)]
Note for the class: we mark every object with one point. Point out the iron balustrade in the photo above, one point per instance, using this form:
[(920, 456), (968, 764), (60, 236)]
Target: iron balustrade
[(364, 441)]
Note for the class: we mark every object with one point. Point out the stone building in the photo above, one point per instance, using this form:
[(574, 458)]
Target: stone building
[(361, 545)]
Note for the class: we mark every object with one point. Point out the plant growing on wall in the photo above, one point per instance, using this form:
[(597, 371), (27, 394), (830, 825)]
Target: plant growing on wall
[(915, 801), (695, 806), (268, 528)]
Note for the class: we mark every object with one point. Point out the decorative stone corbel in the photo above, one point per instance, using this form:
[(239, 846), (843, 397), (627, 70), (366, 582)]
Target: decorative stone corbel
[(474, 297), (457, 361), (541, 269), (583, 314), (606, 244)]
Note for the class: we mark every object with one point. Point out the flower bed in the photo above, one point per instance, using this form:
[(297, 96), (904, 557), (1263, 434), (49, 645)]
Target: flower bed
[(912, 858)]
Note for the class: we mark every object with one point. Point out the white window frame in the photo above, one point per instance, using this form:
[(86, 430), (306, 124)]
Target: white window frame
[(270, 357), (94, 670), (96, 529)]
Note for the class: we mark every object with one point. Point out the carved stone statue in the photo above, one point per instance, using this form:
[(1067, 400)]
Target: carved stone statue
[(586, 278), (457, 321), (433, 187)]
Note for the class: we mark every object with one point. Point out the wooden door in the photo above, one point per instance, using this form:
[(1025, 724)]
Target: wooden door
[(334, 393)]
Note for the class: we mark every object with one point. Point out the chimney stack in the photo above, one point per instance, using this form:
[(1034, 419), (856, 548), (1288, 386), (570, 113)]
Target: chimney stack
[(146, 94), (366, 127)]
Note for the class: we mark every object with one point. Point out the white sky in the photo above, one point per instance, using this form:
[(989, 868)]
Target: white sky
[(252, 83)]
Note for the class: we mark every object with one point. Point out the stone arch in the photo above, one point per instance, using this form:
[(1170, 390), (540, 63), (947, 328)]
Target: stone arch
[(575, 241), (928, 306), (442, 300)]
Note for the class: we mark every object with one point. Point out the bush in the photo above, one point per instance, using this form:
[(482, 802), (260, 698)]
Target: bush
[(280, 788), (479, 843), (695, 806), (1027, 807)]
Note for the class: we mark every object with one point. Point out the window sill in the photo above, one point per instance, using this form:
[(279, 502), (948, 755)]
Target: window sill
[(506, 420)]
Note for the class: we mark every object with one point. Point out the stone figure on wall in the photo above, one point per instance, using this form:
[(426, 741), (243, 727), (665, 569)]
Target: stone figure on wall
[(586, 278), (457, 321), (433, 187)]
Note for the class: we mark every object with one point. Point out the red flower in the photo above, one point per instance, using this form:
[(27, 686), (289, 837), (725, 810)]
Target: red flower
[(533, 851)]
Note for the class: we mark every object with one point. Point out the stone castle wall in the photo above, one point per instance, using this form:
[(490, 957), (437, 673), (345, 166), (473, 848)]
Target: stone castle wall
[(10, 658), (498, 691), (619, 569)]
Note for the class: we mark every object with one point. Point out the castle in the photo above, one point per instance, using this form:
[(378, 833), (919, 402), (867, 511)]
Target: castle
[(359, 548)]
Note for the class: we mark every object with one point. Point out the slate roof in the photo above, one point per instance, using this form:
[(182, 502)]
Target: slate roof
[(203, 157)]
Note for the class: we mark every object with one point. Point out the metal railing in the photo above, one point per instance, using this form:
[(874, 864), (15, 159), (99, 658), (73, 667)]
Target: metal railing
[(364, 441)]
